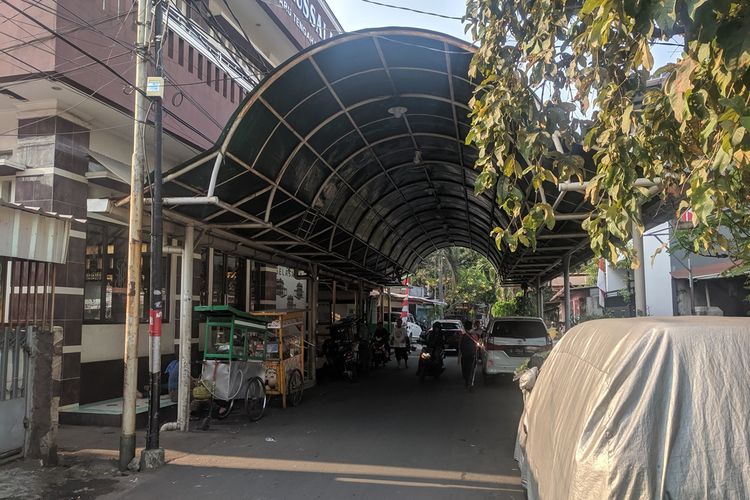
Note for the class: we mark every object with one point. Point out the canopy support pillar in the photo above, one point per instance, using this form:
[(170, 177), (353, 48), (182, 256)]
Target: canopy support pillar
[(313, 294), (333, 302), (388, 316), (566, 288), (539, 298), (186, 330), (639, 274)]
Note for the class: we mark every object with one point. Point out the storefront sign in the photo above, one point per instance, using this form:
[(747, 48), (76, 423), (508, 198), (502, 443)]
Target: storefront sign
[(307, 21), (291, 293)]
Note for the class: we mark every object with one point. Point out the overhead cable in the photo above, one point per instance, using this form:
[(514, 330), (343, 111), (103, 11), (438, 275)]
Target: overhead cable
[(409, 9)]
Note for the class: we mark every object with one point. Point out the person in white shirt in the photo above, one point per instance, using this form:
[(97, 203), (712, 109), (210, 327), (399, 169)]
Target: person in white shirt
[(400, 343)]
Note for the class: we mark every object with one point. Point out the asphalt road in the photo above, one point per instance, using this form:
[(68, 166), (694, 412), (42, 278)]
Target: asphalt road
[(387, 436)]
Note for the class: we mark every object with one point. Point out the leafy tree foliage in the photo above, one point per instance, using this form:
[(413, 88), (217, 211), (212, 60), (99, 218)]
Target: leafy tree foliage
[(513, 302), (544, 65), (468, 277)]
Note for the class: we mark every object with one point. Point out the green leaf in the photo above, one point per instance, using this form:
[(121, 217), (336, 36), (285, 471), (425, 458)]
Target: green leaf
[(625, 124), (590, 5), (738, 135), (647, 59), (665, 15), (692, 6)]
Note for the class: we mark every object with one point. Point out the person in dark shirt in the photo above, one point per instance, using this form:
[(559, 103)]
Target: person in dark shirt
[(467, 350)]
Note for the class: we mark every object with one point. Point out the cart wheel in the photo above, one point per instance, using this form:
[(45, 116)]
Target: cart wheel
[(294, 388), (255, 399), (223, 408)]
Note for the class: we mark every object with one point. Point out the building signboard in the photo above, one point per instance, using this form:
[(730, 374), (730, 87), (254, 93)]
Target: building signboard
[(307, 21), (291, 292)]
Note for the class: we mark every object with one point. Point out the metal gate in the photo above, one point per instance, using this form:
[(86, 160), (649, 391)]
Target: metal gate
[(14, 370), (26, 306)]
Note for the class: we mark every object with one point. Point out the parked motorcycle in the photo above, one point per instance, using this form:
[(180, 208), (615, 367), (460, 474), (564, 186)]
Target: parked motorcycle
[(341, 353)]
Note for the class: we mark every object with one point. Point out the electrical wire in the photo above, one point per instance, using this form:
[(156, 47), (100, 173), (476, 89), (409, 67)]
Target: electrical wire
[(266, 65), (409, 9), (66, 110), (218, 28), (108, 68)]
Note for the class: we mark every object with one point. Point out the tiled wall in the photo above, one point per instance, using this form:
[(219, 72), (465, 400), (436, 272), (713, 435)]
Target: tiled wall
[(54, 151)]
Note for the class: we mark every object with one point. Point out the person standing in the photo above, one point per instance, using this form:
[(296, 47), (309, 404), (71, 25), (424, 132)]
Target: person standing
[(467, 348), (400, 343)]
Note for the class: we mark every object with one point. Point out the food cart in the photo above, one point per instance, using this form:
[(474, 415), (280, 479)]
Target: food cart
[(285, 355), (235, 345), (250, 356)]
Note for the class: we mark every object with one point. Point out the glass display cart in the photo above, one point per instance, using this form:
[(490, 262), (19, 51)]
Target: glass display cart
[(235, 349), (252, 356), (285, 355)]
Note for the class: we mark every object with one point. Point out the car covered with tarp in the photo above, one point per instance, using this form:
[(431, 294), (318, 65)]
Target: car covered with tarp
[(641, 408)]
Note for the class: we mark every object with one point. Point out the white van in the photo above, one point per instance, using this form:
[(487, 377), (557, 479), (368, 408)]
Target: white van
[(509, 341)]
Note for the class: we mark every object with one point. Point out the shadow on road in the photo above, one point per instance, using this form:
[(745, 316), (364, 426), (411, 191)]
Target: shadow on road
[(387, 435)]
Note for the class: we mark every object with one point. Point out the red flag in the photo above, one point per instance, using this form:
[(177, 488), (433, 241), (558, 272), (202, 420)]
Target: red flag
[(405, 303)]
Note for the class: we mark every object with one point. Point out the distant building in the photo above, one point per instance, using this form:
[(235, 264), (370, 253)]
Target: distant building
[(669, 274)]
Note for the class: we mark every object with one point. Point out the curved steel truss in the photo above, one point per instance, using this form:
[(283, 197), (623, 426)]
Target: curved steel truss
[(352, 155)]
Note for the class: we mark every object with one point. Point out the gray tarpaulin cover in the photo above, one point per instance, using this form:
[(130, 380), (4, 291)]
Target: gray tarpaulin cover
[(641, 408)]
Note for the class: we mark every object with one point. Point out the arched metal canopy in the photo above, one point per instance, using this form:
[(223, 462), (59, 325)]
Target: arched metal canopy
[(351, 154)]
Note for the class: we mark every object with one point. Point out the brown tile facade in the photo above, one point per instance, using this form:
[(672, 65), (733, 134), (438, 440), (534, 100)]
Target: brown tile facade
[(63, 145)]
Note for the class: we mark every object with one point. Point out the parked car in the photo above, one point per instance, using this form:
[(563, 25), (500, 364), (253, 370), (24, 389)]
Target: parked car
[(510, 341), (452, 329), (640, 408)]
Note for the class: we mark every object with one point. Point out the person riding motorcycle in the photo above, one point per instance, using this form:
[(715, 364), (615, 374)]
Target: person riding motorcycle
[(436, 338), (434, 346)]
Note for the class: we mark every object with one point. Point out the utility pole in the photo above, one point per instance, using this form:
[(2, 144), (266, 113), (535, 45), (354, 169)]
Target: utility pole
[(153, 456), (132, 318)]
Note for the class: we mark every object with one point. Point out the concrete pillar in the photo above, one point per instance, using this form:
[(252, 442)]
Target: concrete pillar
[(639, 275), (357, 299), (333, 302), (388, 311), (566, 291), (186, 323), (539, 298), (44, 394), (314, 291)]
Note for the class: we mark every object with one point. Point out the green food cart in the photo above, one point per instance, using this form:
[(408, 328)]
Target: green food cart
[(251, 356), (235, 345)]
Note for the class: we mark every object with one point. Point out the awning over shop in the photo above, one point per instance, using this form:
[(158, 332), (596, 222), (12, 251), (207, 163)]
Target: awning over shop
[(351, 155), (412, 299), (707, 271), (32, 234)]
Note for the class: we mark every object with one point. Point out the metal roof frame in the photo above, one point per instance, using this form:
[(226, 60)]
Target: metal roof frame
[(351, 155)]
